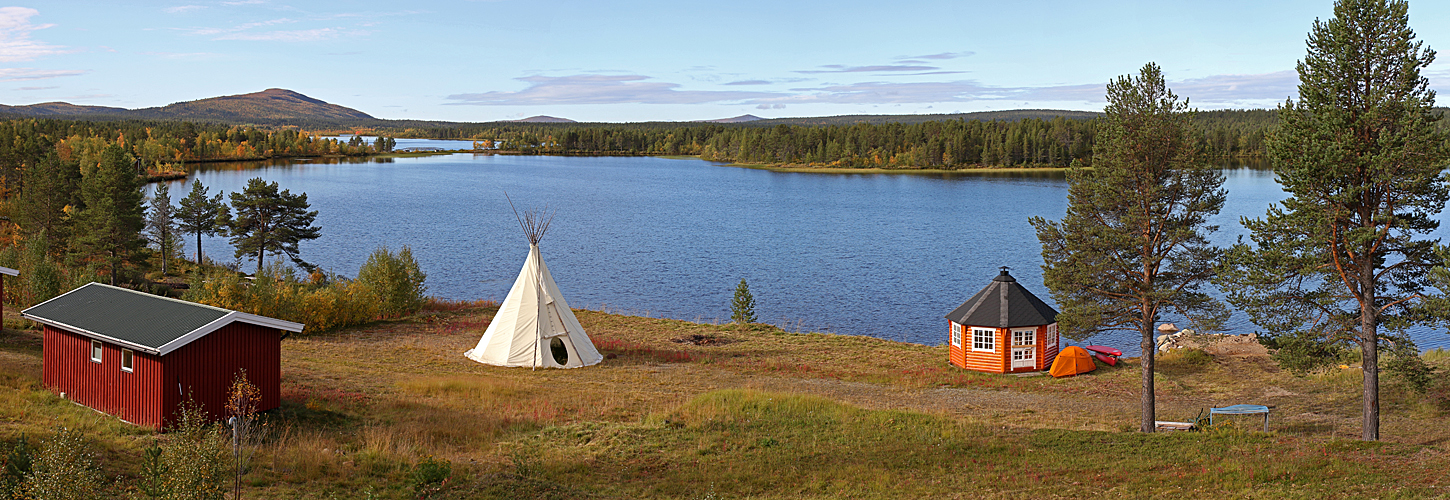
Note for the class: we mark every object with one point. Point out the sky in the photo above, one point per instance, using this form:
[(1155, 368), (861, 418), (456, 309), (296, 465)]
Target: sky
[(633, 61)]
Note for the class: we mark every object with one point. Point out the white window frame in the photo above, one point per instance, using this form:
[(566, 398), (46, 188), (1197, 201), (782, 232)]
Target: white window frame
[(1024, 337), (956, 334), (97, 351), (981, 345), (1052, 335), (128, 360)]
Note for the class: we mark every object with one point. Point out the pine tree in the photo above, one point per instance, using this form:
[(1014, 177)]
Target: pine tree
[(200, 215), (1345, 258), (268, 221), (160, 226), (1133, 244), (742, 308), (108, 227)]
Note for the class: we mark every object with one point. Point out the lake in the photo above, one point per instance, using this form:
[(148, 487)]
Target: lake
[(884, 255)]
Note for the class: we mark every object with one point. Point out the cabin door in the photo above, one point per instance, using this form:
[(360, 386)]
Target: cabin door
[(1024, 349)]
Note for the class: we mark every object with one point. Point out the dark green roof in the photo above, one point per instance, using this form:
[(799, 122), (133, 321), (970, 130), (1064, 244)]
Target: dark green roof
[(1004, 304), (148, 322)]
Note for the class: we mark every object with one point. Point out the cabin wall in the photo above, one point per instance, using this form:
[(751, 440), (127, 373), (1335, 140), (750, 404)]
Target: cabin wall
[(982, 361), (1047, 351), (67, 367), (203, 370), (1000, 360)]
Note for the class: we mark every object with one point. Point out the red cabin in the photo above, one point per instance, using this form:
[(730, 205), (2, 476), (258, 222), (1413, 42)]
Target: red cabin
[(1003, 329), (140, 356)]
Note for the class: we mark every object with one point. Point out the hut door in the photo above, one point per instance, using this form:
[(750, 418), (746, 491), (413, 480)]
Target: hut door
[(1024, 349)]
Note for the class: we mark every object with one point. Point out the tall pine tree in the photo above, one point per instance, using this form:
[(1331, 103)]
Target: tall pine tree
[(1133, 244), (1344, 259), (200, 215), (161, 226), (268, 221), (108, 226)]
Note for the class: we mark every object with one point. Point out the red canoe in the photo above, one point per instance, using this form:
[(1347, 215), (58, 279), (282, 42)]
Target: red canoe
[(1103, 350), (1111, 361)]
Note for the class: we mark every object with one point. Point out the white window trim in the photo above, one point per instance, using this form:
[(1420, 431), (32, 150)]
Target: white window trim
[(1030, 332), (96, 345), (1052, 335), (956, 334), (991, 342), (125, 355)]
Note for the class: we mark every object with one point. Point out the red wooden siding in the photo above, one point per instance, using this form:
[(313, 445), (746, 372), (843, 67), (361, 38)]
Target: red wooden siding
[(68, 368), (149, 395), (204, 369), (982, 361)]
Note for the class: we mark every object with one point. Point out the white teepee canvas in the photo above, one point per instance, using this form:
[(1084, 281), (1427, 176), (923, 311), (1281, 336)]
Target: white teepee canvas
[(534, 327)]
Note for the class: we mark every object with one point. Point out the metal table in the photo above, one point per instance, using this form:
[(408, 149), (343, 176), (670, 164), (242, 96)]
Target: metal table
[(1241, 410)]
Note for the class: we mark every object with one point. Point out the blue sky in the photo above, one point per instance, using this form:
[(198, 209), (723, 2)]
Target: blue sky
[(668, 60)]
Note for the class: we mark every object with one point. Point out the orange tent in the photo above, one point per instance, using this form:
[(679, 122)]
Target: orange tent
[(1072, 361)]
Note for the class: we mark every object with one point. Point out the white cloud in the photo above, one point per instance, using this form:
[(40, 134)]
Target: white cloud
[(38, 88), (179, 9), (15, 42), (837, 68), (601, 89), (941, 56), (19, 74), (311, 35)]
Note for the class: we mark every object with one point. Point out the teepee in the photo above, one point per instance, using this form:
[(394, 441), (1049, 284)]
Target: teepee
[(534, 327)]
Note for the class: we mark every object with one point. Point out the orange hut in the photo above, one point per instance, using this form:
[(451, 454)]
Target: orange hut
[(1003, 329)]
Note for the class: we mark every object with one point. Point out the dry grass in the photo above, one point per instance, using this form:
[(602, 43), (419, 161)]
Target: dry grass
[(765, 413)]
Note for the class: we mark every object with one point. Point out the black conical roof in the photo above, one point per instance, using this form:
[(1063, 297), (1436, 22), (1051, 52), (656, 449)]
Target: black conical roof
[(1004, 303)]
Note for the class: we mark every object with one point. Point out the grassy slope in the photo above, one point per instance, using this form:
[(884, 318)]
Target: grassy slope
[(763, 413)]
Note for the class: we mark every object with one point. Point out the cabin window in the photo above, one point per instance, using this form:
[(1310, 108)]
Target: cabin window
[(96, 351), (1052, 334), (1024, 337), (956, 335), (984, 340), (126, 360)]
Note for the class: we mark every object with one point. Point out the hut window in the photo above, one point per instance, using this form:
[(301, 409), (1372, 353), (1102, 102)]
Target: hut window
[(1024, 337), (1052, 334), (96, 351), (956, 335), (984, 340), (126, 360)]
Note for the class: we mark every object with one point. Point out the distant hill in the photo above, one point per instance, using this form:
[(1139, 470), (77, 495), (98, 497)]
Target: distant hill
[(271, 106), (544, 119), (738, 119)]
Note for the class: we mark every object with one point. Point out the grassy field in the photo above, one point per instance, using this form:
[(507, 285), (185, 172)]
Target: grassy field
[(694, 411)]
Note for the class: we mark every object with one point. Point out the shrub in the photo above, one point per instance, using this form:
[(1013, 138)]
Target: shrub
[(279, 292), (429, 475), (65, 469), (17, 466), (1302, 353), (396, 280), (191, 461)]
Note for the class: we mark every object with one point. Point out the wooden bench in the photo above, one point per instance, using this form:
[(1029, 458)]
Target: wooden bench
[(1241, 410)]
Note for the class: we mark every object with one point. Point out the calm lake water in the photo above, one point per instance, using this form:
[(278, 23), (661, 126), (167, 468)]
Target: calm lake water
[(884, 255)]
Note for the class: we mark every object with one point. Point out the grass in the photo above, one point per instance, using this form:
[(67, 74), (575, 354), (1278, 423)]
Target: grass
[(689, 410)]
